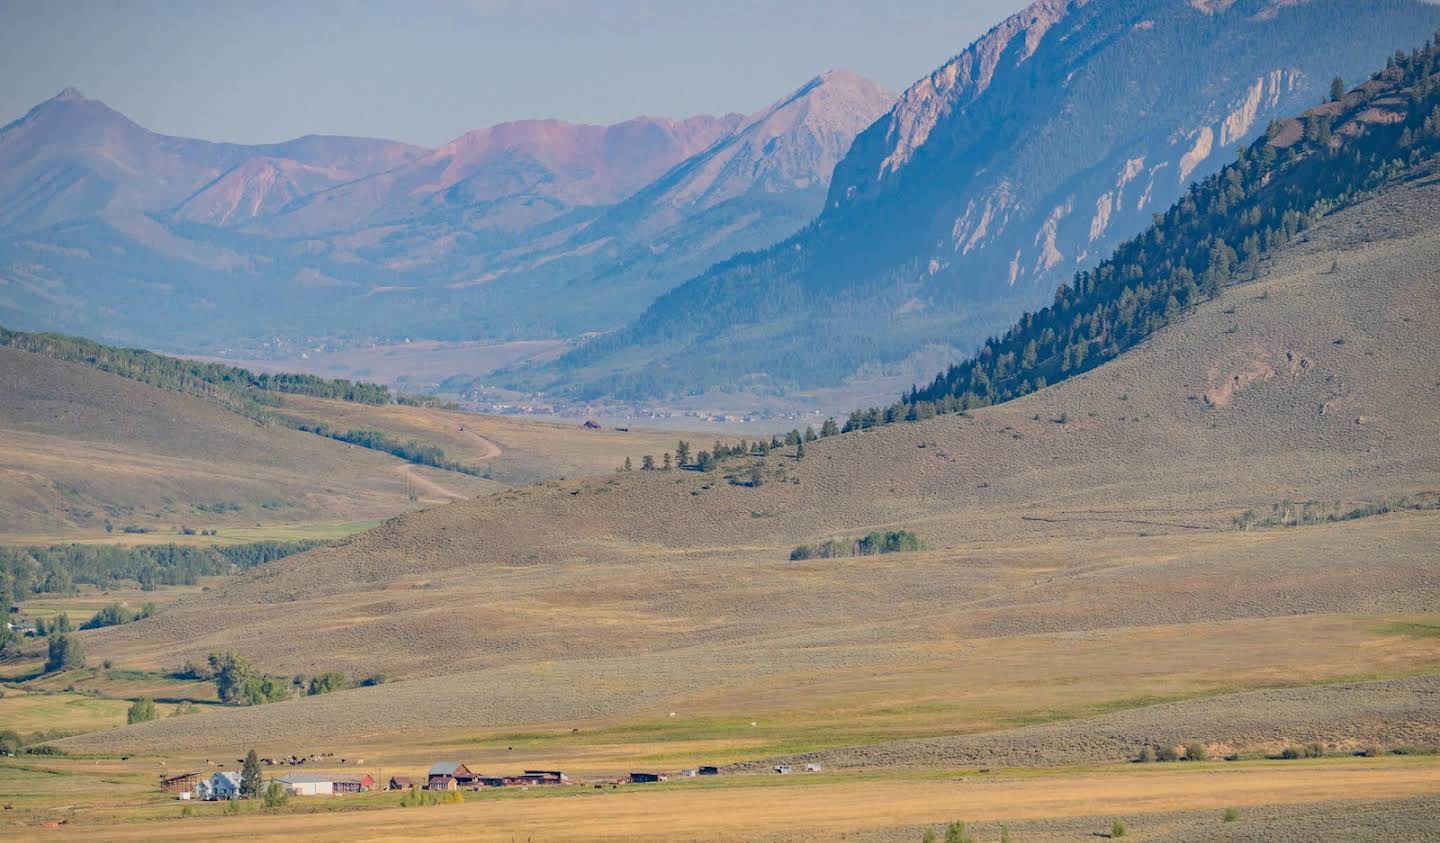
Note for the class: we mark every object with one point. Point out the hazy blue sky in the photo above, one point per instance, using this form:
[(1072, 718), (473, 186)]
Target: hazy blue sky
[(427, 70)]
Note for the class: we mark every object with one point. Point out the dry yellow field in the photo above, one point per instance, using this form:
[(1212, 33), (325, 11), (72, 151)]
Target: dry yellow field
[(515, 450), (808, 808)]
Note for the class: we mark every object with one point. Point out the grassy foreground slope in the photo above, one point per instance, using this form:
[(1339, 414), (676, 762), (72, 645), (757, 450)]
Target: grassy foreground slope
[(1082, 553)]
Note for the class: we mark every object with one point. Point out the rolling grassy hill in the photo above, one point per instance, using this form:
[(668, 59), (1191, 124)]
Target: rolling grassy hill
[(1083, 556), (82, 446)]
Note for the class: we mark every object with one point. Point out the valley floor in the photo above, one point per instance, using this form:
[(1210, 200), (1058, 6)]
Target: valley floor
[(1355, 798), (1224, 540)]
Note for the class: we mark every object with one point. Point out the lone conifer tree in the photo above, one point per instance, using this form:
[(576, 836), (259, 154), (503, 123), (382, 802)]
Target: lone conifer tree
[(250, 776), (1337, 89)]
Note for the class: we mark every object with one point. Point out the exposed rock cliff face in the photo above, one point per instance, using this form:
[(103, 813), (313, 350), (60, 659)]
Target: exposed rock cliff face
[(750, 189), (1030, 154), (1057, 108)]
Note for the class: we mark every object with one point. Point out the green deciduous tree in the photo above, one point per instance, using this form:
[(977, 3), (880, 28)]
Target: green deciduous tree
[(326, 682), (64, 652), (10, 742), (239, 682), (141, 711), (276, 796)]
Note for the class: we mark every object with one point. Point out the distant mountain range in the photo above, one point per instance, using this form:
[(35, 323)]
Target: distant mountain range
[(1029, 155), (531, 228), (834, 234)]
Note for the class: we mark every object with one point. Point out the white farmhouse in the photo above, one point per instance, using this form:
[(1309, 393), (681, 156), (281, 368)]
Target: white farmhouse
[(219, 786)]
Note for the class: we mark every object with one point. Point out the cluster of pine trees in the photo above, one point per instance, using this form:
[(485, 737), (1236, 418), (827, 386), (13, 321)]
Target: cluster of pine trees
[(1277, 187), (59, 569), (688, 458)]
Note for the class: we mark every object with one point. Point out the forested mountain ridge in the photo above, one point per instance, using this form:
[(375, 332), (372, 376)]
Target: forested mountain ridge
[(1302, 169), (1040, 147)]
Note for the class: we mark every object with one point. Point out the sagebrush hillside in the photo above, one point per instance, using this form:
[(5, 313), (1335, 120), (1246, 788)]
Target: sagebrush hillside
[(81, 447), (1105, 505), (96, 436)]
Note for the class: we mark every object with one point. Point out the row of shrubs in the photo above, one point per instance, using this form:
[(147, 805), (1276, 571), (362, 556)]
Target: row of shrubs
[(410, 450), (893, 541), (13, 743), (1196, 751), (1302, 513)]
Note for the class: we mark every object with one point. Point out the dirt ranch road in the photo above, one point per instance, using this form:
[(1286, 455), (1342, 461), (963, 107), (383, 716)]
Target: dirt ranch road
[(824, 806), (489, 451), (425, 484)]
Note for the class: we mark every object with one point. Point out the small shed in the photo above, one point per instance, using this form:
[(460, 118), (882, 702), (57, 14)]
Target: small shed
[(709, 771), (443, 783), (812, 767), (399, 783), (648, 778)]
